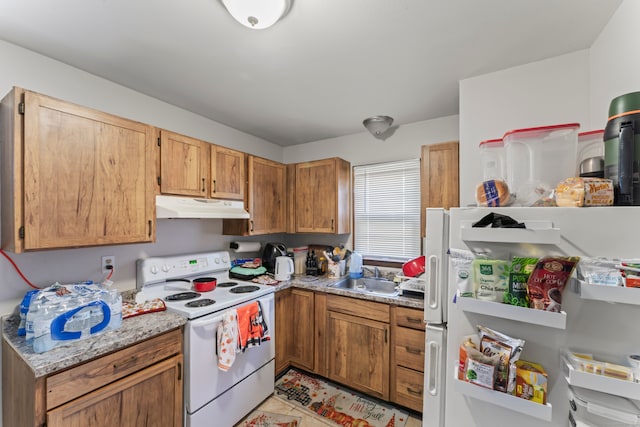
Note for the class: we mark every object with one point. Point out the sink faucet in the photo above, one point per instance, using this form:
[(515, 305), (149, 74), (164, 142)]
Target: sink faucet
[(375, 271)]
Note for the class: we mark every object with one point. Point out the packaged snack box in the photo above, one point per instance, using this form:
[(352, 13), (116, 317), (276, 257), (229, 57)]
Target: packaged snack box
[(531, 382)]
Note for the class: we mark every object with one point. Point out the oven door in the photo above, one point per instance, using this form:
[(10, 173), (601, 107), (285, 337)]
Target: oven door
[(204, 381)]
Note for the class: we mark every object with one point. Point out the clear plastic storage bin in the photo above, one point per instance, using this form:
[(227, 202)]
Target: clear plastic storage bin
[(493, 159), (590, 408), (539, 158)]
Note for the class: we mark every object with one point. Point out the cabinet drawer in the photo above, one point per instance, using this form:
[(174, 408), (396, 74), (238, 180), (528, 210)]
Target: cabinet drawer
[(409, 388), (358, 307), (409, 348), (410, 318), (68, 385)]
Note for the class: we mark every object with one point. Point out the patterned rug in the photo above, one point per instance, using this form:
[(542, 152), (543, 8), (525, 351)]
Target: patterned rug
[(336, 403), (267, 419)]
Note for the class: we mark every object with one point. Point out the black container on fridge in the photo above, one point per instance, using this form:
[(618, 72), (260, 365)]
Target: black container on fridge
[(622, 148)]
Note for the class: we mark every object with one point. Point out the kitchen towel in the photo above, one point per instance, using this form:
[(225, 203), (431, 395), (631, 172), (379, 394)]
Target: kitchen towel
[(227, 343), (252, 329)]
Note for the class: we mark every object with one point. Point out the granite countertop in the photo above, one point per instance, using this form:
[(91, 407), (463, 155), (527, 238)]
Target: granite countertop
[(139, 328), (322, 284), (132, 331)]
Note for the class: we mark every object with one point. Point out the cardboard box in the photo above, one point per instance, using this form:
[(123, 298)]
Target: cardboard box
[(531, 382)]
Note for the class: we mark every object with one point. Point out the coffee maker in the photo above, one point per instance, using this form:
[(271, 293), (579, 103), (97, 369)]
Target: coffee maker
[(272, 251)]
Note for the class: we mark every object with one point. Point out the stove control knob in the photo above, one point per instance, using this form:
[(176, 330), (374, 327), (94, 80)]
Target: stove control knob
[(165, 268), (225, 259), (216, 260), (154, 269)]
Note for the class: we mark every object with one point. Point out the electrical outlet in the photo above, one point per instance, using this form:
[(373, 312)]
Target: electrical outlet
[(108, 263)]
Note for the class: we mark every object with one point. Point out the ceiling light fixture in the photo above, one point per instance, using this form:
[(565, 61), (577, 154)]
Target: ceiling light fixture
[(378, 125), (257, 14)]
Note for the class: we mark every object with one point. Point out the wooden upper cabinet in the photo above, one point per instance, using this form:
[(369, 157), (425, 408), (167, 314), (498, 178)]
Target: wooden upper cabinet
[(322, 196), (228, 177), (440, 178), (73, 176), (184, 165), (266, 200)]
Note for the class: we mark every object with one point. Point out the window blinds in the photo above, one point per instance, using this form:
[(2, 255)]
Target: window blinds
[(386, 198)]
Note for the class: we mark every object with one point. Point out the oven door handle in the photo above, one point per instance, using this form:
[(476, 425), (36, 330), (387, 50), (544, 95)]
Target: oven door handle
[(203, 323)]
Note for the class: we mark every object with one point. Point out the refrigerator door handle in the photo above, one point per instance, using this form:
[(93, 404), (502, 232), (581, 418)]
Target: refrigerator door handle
[(433, 353), (433, 291)]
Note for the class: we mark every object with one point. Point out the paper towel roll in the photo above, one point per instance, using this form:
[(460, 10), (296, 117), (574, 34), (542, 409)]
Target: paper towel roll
[(245, 246)]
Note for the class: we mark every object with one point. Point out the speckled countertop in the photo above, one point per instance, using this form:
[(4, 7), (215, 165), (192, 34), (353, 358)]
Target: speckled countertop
[(133, 330), (323, 284), (139, 328)]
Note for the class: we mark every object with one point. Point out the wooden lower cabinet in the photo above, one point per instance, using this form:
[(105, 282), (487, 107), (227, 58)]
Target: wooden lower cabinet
[(295, 329), (407, 357), (357, 344), (140, 385)]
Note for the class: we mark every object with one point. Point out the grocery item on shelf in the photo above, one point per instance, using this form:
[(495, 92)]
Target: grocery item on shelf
[(491, 277), (531, 381), (548, 280), (521, 269), (580, 192), (462, 261), (493, 193), (585, 362)]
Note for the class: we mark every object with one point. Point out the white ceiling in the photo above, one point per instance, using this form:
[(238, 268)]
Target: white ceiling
[(316, 74)]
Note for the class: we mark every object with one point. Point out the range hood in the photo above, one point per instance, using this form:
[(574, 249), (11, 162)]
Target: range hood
[(189, 207)]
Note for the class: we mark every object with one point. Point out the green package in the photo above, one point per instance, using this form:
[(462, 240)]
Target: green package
[(521, 269)]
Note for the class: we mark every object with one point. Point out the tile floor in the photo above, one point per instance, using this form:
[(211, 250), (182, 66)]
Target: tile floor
[(278, 406)]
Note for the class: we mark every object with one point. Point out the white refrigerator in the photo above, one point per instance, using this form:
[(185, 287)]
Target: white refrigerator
[(601, 320)]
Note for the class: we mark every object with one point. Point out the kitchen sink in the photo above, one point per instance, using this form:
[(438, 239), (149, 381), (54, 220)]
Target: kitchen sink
[(370, 285)]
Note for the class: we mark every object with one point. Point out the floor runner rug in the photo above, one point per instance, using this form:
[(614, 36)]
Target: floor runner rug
[(336, 403), (267, 419)]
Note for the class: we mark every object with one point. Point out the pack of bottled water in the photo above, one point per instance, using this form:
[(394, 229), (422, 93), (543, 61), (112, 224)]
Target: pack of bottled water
[(59, 313)]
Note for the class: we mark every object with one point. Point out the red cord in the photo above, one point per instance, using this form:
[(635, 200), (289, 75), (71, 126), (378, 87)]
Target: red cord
[(109, 275), (18, 270)]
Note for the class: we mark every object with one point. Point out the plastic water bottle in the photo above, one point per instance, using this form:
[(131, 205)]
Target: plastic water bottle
[(42, 340), (355, 266)]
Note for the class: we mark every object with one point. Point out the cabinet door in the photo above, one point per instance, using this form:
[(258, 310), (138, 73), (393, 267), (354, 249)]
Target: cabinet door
[(266, 200), (301, 329), (358, 353), (184, 165), (151, 397), (440, 178), (228, 177), (88, 177), (316, 196), (283, 328)]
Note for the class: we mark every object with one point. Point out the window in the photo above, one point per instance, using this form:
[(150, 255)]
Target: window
[(386, 209)]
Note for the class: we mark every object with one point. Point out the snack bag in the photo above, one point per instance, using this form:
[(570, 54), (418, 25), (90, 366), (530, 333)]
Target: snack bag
[(548, 280), (507, 348), (521, 269), (531, 382), (492, 278)]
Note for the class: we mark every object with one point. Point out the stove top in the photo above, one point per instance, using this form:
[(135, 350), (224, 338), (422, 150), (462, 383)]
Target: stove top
[(169, 278)]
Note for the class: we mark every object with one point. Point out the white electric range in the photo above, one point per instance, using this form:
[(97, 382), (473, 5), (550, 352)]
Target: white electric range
[(209, 392)]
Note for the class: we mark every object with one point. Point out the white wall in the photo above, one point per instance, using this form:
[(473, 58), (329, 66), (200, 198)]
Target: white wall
[(615, 61), (402, 143), (547, 92)]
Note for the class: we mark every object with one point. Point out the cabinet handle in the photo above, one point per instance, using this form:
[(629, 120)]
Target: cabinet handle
[(414, 320), (332, 221), (414, 392), (385, 336), (412, 350), (251, 222), (203, 181), (179, 371), (150, 225), (214, 186)]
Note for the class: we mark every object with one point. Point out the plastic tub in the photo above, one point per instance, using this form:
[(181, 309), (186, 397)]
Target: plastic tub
[(539, 158), (493, 159), (595, 409)]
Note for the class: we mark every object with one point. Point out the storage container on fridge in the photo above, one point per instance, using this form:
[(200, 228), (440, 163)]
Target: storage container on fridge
[(590, 408), (493, 159), (539, 158), (590, 155)]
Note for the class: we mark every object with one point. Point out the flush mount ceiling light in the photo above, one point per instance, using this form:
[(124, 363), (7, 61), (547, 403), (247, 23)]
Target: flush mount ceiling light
[(257, 14), (378, 125)]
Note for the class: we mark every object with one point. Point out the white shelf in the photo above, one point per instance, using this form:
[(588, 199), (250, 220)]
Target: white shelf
[(504, 400), (617, 294), (602, 383), (537, 232), (512, 312)]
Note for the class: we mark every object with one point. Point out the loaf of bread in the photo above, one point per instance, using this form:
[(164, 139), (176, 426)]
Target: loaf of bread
[(578, 192), (493, 193)]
